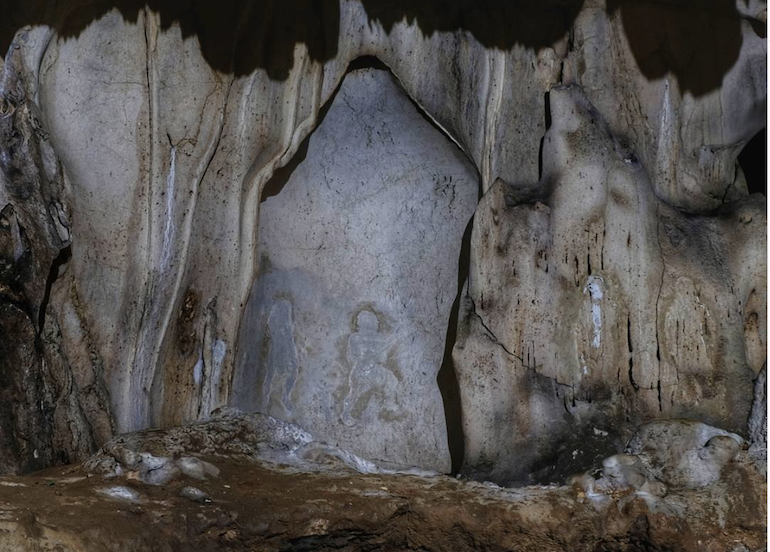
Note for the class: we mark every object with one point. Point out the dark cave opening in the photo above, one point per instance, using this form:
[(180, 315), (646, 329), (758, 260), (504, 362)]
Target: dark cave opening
[(753, 161)]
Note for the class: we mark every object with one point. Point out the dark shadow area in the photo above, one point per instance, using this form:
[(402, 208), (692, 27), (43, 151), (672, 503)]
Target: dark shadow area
[(281, 175), (581, 452), (547, 106), (697, 42), (239, 36), (61, 259), (753, 161), (447, 377), (499, 24), (236, 36)]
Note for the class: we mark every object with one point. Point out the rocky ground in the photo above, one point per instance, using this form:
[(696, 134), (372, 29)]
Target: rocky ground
[(217, 501), (261, 507)]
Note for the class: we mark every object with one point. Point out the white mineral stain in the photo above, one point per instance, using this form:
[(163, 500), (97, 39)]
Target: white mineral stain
[(219, 352), (198, 370), (119, 492), (594, 289), (212, 375), (135, 415)]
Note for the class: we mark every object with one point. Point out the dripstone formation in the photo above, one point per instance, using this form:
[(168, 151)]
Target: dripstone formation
[(491, 238)]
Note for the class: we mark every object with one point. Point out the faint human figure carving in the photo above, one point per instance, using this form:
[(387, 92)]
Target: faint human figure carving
[(280, 357), (371, 385)]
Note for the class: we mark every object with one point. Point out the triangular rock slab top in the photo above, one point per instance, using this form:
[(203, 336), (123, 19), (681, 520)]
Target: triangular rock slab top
[(344, 331)]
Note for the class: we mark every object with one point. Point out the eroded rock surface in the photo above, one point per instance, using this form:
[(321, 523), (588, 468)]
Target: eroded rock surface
[(592, 303), (669, 456), (228, 434), (618, 264), (157, 457), (51, 411), (758, 420), (684, 454)]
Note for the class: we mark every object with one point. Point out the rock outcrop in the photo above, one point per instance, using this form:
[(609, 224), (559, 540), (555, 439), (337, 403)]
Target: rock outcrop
[(593, 303), (617, 264), (53, 409), (668, 457)]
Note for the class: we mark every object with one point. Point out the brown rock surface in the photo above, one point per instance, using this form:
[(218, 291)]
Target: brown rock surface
[(265, 507)]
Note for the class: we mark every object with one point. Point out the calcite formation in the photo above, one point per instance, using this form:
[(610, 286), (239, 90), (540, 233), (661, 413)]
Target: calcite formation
[(54, 408), (269, 205)]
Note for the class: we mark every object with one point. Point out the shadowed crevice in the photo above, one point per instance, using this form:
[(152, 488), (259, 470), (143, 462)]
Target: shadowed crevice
[(447, 375), (61, 259), (753, 161)]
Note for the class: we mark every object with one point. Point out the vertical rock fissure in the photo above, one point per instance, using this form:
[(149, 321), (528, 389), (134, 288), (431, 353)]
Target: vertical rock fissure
[(61, 259), (657, 305), (630, 356), (447, 377)]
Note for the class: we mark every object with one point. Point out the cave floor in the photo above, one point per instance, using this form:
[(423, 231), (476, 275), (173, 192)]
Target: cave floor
[(257, 506)]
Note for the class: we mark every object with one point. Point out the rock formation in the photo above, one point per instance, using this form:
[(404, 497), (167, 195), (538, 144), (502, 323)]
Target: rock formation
[(593, 303), (345, 327), (55, 406), (491, 238)]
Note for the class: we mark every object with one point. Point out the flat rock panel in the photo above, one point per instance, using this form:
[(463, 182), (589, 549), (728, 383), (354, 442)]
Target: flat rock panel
[(345, 328)]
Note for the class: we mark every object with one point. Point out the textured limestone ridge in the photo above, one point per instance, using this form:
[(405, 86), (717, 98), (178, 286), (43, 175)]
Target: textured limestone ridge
[(592, 303)]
